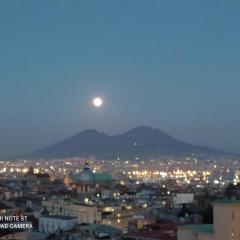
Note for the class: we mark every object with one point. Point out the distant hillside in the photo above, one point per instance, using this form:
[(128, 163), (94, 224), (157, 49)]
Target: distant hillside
[(141, 142)]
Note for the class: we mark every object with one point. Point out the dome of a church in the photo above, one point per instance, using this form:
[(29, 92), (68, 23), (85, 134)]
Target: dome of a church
[(86, 175)]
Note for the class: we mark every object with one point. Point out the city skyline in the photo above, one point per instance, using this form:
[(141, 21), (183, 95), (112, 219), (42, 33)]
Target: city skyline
[(119, 120), (164, 65)]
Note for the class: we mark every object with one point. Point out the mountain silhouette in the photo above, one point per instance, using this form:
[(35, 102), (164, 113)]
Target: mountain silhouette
[(138, 143)]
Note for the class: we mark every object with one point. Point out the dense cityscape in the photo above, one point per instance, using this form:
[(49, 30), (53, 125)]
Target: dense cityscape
[(119, 120), (81, 198)]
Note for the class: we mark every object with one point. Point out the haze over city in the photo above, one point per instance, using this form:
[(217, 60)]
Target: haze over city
[(173, 66)]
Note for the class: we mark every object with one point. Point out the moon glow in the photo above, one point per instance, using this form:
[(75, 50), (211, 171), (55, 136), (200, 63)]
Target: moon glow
[(97, 102)]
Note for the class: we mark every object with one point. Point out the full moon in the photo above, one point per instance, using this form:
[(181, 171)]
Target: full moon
[(97, 102)]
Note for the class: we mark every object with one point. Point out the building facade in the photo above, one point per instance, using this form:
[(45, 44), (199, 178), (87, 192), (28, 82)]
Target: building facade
[(84, 213), (87, 182), (54, 223), (226, 224)]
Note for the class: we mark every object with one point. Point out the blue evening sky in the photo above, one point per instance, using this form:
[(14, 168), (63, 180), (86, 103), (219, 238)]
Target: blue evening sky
[(174, 65)]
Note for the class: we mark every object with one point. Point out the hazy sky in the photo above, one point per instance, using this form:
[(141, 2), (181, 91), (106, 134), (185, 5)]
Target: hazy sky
[(174, 65)]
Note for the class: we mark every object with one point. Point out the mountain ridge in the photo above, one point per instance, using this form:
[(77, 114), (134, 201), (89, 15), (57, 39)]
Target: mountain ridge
[(141, 142)]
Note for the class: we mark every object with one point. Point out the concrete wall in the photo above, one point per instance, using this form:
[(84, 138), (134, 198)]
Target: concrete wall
[(227, 221), (182, 198)]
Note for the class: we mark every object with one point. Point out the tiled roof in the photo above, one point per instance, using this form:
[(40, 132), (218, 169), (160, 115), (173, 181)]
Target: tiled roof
[(99, 177), (200, 228), (227, 201), (103, 177)]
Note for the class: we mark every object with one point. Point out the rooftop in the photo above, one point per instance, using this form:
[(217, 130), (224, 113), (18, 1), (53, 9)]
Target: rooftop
[(227, 201), (58, 217), (99, 177), (164, 231), (103, 177), (203, 228)]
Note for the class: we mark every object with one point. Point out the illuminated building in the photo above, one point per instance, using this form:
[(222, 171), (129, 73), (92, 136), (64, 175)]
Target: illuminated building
[(84, 213), (87, 182)]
